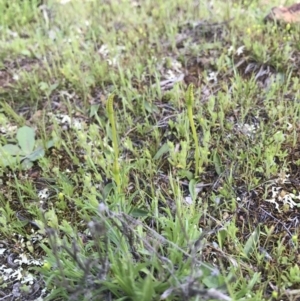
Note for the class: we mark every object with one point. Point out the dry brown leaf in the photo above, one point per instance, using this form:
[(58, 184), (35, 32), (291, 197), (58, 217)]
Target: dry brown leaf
[(289, 14)]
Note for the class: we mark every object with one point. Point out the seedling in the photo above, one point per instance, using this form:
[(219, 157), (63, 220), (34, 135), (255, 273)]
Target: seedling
[(189, 104), (26, 151)]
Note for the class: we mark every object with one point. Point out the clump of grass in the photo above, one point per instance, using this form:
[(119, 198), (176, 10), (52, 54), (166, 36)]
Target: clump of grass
[(68, 59)]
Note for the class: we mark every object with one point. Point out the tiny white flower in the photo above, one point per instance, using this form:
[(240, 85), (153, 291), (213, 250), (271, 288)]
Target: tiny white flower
[(240, 50), (212, 76), (289, 127), (43, 194), (103, 50), (16, 77), (77, 125), (230, 50), (66, 120), (188, 200)]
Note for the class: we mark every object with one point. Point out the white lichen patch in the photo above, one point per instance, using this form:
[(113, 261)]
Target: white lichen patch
[(43, 194), (231, 50), (17, 272), (247, 129), (106, 54), (172, 68), (67, 122), (240, 50), (212, 77), (8, 129), (280, 197), (171, 71)]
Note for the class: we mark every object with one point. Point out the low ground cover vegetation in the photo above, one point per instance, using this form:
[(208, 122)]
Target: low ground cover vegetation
[(149, 150)]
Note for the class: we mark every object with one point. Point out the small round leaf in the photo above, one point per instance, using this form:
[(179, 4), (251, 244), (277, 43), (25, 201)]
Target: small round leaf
[(25, 137)]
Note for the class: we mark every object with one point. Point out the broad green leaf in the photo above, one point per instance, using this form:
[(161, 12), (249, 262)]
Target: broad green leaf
[(94, 109), (217, 163), (213, 281), (211, 276), (192, 190), (163, 150), (184, 173), (50, 143), (11, 149), (27, 164), (8, 160), (222, 235), (7, 155), (36, 154), (25, 137), (107, 189), (136, 212), (251, 242)]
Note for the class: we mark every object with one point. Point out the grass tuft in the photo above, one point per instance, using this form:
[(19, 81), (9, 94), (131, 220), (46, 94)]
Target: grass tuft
[(149, 151)]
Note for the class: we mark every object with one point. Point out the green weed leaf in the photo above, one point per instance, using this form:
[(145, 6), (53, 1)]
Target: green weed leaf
[(251, 242), (11, 149), (136, 212), (211, 276), (217, 163), (36, 154), (26, 140), (8, 153), (192, 189), (50, 143), (94, 109), (8, 161), (27, 164), (222, 235), (147, 291), (163, 150)]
